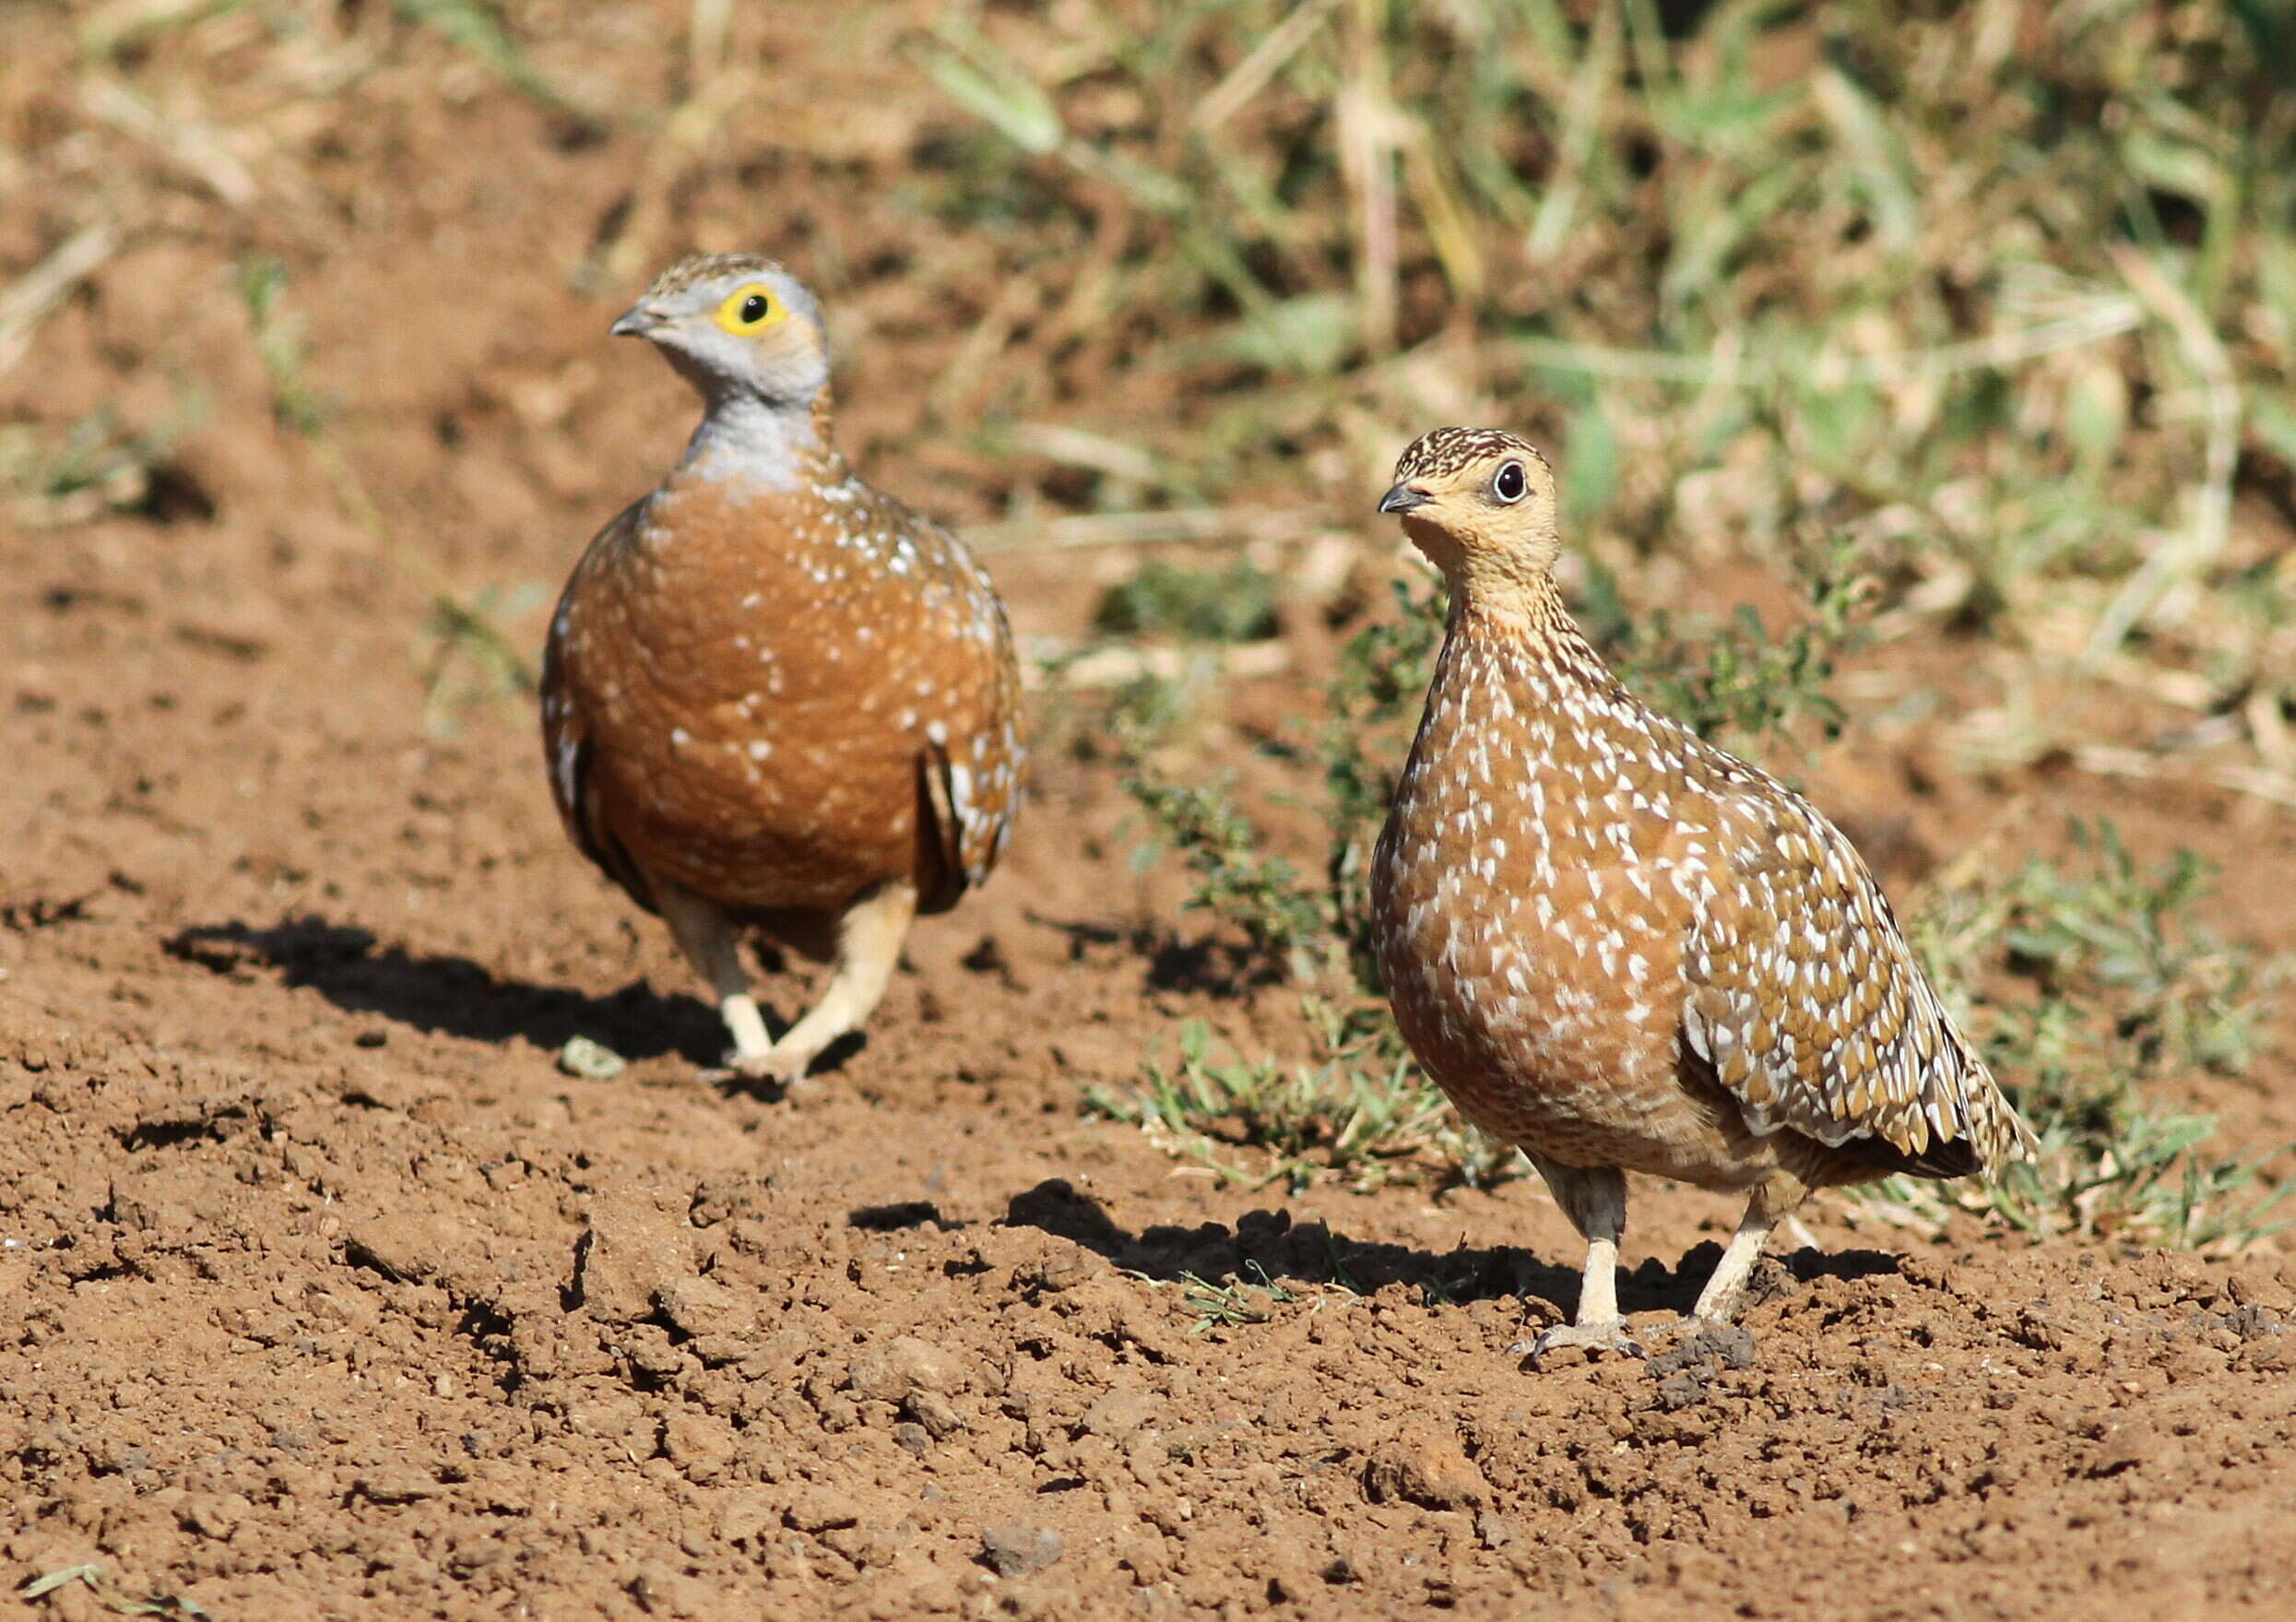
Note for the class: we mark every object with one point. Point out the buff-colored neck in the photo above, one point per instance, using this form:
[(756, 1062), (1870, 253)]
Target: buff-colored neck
[(1498, 594)]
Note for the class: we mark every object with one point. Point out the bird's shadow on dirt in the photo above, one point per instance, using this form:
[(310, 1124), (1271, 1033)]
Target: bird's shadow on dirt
[(452, 994), (1204, 964), (1269, 1245)]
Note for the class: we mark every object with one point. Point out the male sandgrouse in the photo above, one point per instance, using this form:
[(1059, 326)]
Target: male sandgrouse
[(1621, 949), (775, 698)]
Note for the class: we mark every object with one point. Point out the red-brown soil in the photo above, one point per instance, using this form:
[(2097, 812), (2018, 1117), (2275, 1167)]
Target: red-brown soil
[(324, 1293)]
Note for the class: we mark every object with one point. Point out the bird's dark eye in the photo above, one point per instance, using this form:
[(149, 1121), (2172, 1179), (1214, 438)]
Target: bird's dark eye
[(748, 311), (1510, 482)]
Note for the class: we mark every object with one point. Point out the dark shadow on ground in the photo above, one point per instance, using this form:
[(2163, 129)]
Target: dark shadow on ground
[(452, 994), (1269, 1244), (1205, 964)]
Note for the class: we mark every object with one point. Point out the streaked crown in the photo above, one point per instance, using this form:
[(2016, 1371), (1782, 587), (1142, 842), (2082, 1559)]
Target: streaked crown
[(1440, 455)]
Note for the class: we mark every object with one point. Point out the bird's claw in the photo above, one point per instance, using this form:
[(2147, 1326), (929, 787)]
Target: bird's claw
[(1592, 1338), (773, 1068)]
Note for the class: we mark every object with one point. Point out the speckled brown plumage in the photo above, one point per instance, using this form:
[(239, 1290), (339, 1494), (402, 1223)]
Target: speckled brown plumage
[(1622, 949), (774, 696)]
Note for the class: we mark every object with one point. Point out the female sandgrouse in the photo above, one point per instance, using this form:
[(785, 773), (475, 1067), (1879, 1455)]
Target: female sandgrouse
[(775, 698), (1621, 949)]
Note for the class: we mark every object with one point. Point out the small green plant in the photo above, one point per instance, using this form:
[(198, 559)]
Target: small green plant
[(1236, 604), (99, 465), (1361, 1115), (1148, 706), (1262, 896), (1740, 681), (282, 346), (471, 660), (1308, 927), (1225, 1306), (1245, 1299), (2128, 995), (1373, 703), (478, 29)]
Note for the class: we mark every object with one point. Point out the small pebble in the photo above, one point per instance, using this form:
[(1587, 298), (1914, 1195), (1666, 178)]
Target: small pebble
[(1015, 1548), (593, 1060)]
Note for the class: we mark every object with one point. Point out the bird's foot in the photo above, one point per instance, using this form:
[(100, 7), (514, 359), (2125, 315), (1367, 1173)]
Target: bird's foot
[(1594, 1339), (776, 1069)]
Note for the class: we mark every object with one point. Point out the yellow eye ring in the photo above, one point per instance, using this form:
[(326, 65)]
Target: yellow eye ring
[(749, 310)]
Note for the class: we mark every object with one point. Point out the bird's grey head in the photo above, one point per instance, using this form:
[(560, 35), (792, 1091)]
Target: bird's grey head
[(738, 327)]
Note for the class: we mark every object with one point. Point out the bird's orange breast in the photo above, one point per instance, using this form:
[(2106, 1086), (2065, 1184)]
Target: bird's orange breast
[(757, 673)]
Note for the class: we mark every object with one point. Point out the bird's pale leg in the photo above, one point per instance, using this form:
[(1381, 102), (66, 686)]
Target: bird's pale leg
[(706, 936), (1595, 1200), (1598, 1283), (868, 945), (1720, 1300)]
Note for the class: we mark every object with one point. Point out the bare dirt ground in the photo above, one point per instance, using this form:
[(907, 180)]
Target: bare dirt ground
[(324, 1293)]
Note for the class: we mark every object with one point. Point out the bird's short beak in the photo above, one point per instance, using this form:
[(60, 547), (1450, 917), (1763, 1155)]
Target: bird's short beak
[(1402, 498), (638, 321)]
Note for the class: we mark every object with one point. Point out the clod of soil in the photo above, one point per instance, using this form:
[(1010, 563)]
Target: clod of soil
[(1016, 1549)]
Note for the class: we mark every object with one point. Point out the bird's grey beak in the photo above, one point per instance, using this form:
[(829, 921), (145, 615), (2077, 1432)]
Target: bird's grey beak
[(1402, 498), (638, 321)]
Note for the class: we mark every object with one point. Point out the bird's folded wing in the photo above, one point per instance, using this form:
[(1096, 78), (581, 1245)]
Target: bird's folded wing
[(1805, 1001), (969, 788), (942, 877), (567, 743)]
